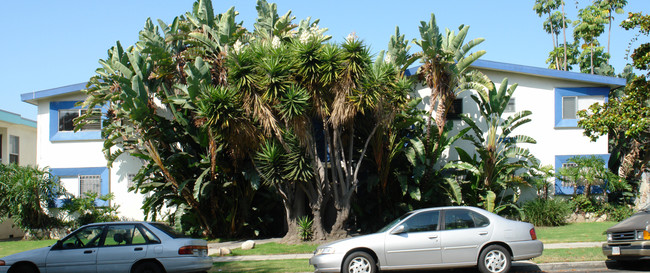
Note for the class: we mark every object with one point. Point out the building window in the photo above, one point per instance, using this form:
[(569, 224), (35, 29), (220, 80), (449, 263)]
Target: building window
[(510, 108), (568, 101), (62, 116), (567, 182), (68, 116), (455, 110), (14, 149), (90, 184)]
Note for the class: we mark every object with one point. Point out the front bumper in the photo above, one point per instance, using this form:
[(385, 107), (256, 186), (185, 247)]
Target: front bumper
[(327, 262), (633, 250)]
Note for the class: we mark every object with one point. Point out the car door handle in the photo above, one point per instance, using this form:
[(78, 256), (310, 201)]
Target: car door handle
[(137, 249), (433, 237), (483, 233), (88, 252)]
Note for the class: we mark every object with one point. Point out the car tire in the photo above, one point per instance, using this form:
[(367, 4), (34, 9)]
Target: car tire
[(494, 259), (148, 267), (23, 268), (359, 262)]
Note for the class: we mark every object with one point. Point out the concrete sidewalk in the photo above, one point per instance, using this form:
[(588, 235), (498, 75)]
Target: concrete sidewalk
[(308, 255)]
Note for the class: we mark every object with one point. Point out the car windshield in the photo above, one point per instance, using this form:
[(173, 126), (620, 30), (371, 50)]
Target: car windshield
[(394, 222), (169, 230)]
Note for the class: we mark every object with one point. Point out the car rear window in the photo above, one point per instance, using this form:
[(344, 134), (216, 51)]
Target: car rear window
[(169, 230)]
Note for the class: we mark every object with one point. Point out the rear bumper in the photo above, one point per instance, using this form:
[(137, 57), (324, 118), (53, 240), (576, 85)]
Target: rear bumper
[(524, 250), (628, 250), (186, 264)]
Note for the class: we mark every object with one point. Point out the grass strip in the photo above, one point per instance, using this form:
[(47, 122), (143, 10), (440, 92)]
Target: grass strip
[(12, 247), (264, 266), (571, 255), (276, 248), (576, 232)]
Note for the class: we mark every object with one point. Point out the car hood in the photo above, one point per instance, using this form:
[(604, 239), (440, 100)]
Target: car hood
[(359, 241), (637, 221), (36, 256)]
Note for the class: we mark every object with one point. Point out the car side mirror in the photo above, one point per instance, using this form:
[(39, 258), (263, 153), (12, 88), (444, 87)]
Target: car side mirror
[(58, 245), (398, 230)]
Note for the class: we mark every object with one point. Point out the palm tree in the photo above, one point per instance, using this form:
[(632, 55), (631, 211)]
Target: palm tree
[(445, 66)]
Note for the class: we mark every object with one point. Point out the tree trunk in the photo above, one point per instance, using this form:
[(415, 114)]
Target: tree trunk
[(342, 215), (564, 34), (293, 210)]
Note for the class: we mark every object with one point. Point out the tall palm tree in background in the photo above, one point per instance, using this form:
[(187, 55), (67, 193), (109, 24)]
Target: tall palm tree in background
[(445, 66)]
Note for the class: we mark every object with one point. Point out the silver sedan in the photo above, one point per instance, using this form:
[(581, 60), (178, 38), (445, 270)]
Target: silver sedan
[(447, 237), (115, 247)]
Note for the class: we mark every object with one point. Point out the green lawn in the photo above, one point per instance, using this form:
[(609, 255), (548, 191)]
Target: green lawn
[(300, 265), (577, 232), (571, 255), (11, 247), (276, 248)]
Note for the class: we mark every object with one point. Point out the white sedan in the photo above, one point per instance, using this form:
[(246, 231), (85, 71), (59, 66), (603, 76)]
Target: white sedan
[(132, 247), (447, 237)]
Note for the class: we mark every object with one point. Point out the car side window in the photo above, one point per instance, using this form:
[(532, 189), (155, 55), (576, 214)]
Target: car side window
[(459, 219), (423, 221), (86, 237), (150, 236), (120, 235)]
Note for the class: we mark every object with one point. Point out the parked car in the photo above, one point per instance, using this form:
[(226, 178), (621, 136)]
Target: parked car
[(629, 239), (446, 237), (115, 247)]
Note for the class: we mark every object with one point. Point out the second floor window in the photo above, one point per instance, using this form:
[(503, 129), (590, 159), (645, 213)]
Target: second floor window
[(67, 118)]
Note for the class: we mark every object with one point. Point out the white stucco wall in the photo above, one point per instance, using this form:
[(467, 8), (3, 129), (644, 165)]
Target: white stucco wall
[(86, 154), (536, 94)]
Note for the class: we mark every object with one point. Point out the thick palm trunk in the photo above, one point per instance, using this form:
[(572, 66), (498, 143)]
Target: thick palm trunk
[(564, 34)]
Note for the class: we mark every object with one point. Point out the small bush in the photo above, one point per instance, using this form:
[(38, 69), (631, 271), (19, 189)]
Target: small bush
[(84, 210), (619, 213), (305, 228), (547, 212)]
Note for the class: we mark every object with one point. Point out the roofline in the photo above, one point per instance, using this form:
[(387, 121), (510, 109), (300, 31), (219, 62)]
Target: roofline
[(14, 118), (33, 97), (541, 72)]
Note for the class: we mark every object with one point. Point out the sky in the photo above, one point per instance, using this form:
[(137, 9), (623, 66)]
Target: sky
[(48, 44)]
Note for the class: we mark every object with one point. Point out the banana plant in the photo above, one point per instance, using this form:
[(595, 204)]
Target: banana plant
[(498, 161)]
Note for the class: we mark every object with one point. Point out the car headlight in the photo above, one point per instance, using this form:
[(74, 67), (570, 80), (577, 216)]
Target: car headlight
[(642, 235), (609, 236), (325, 250)]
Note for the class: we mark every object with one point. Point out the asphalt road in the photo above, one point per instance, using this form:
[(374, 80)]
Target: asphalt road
[(587, 267)]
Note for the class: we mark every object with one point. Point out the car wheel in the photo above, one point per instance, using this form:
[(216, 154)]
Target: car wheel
[(494, 259), (359, 262), (23, 268), (148, 267)]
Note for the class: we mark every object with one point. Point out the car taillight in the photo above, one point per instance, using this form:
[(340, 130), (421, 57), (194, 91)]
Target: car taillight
[(191, 250), (2, 262), (533, 235)]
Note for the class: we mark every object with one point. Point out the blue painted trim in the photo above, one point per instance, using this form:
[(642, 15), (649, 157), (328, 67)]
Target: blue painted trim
[(537, 71), (559, 190), (103, 172), (16, 119), (574, 92), (55, 135), (32, 97)]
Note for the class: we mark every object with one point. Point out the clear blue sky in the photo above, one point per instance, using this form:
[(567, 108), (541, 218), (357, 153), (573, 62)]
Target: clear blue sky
[(48, 44)]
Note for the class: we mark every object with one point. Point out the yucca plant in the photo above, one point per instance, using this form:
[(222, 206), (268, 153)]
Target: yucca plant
[(305, 228)]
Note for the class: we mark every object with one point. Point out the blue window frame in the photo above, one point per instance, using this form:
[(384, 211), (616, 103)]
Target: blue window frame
[(565, 116), (561, 188), (102, 172), (62, 132)]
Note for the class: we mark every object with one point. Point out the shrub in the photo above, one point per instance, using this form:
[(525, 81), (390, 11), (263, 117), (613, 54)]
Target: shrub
[(83, 210), (619, 213), (547, 212), (25, 194), (305, 228)]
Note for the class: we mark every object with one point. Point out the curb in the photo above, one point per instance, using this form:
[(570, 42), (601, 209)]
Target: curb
[(528, 266)]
